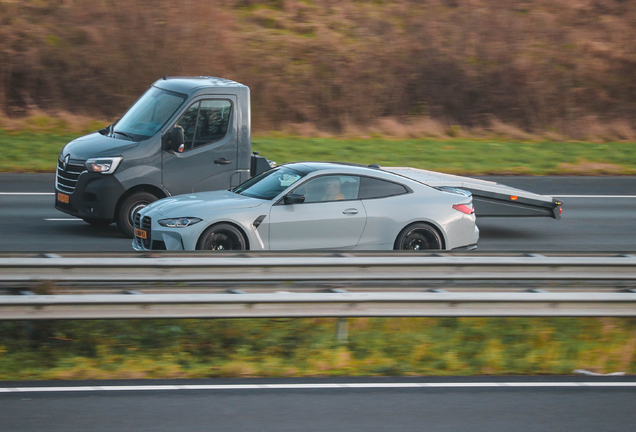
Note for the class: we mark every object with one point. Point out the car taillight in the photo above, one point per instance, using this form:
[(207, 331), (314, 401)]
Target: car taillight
[(464, 208)]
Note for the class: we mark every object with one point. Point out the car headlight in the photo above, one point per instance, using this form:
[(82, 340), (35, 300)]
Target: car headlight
[(181, 222), (106, 165)]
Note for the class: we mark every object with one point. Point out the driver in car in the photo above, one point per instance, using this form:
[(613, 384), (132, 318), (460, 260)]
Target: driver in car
[(332, 190)]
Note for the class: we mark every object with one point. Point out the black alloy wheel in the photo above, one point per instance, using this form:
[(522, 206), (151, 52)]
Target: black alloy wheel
[(222, 237), (418, 237)]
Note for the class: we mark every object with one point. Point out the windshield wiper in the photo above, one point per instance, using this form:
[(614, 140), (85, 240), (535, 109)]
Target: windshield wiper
[(124, 134)]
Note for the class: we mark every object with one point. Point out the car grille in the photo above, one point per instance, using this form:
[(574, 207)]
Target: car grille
[(66, 179), (145, 224)]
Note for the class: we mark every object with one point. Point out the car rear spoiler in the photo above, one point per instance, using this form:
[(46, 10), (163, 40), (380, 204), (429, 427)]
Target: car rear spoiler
[(489, 198)]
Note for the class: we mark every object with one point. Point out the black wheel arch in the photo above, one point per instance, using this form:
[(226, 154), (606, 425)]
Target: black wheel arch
[(139, 188)]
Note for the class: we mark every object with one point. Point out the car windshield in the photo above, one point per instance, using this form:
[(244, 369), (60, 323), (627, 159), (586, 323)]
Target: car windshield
[(149, 114), (269, 184)]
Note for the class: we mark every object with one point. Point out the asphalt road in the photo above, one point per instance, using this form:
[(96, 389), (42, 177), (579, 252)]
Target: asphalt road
[(599, 214), (549, 407)]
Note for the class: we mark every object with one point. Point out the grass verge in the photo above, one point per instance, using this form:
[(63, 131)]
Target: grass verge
[(38, 152), (309, 347)]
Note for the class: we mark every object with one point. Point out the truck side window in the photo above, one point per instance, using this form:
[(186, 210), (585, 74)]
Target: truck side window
[(188, 122), (213, 121), (376, 188)]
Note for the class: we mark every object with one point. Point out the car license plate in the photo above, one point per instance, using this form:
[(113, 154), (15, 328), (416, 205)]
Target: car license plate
[(140, 233), (62, 197)]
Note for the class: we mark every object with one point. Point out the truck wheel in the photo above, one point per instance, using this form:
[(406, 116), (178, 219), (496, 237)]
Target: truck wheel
[(99, 223), (418, 236), (221, 237), (129, 208)]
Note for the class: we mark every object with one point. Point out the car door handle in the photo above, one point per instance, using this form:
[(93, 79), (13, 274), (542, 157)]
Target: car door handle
[(222, 161), (350, 211)]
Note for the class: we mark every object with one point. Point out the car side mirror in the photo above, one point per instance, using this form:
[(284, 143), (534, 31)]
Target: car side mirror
[(293, 198), (176, 139)]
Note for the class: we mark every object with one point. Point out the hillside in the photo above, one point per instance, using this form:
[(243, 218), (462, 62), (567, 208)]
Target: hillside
[(566, 68)]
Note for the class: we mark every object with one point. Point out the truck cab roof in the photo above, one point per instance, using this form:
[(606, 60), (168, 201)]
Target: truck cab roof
[(188, 85)]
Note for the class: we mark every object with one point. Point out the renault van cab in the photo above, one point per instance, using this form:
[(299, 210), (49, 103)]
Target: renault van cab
[(183, 135)]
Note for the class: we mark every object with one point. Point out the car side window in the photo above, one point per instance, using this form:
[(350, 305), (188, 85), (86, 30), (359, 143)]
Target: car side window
[(376, 188), (205, 122), (330, 188)]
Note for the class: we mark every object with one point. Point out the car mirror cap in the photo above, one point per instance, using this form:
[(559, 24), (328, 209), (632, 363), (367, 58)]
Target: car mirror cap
[(293, 198)]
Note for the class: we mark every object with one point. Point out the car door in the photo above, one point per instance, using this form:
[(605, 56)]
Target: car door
[(209, 156), (326, 220)]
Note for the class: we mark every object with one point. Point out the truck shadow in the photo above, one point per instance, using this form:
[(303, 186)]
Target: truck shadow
[(82, 229)]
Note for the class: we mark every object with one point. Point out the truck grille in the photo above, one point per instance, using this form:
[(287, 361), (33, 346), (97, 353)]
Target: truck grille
[(66, 179)]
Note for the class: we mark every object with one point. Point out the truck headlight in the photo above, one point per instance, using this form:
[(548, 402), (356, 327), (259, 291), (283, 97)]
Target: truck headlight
[(181, 222), (106, 165)]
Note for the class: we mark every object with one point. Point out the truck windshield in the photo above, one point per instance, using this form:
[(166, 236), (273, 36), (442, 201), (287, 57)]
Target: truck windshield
[(149, 113), (269, 184)]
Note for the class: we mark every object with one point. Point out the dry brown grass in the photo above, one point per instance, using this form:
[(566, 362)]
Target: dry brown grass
[(584, 167), (356, 68)]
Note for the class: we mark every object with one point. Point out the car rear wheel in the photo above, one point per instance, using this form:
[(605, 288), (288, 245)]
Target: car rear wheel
[(129, 208), (222, 237), (418, 236)]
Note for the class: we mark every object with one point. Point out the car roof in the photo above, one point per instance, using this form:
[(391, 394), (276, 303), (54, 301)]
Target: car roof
[(342, 168)]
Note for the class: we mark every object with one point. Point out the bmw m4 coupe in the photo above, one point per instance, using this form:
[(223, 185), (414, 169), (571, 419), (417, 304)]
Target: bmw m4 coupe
[(313, 206)]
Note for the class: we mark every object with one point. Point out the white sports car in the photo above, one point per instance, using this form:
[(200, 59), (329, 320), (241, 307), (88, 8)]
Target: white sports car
[(313, 205)]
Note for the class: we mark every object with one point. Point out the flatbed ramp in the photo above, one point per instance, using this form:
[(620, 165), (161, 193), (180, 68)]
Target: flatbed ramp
[(490, 199)]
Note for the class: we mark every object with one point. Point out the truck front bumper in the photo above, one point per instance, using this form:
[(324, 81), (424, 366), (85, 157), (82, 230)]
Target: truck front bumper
[(95, 197)]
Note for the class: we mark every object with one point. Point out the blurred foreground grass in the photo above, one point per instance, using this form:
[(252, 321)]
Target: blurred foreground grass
[(309, 347), (38, 152)]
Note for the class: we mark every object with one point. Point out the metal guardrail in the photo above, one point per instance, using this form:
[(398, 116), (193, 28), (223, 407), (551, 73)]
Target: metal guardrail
[(366, 272), (235, 268), (300, 305)]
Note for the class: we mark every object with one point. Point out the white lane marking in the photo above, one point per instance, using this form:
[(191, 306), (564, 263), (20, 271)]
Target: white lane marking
[(63, 219), (315, 386), (594, 196), (27, 193)]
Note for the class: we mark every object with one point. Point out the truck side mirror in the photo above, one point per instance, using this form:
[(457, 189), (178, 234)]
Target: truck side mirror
[(176, 139), (293, 198)]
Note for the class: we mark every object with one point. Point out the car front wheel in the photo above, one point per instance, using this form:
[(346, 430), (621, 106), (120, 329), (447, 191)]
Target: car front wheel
[(222, 237), (418, 236)]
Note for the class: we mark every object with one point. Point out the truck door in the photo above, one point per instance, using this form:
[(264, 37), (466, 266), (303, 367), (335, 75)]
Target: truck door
[(209, 155)]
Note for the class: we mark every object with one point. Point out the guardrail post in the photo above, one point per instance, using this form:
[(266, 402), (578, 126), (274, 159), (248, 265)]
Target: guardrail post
[(343, 330)]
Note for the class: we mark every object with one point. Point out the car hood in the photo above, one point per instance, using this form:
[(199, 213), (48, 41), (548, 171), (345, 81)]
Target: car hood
[(96, 145), (196, 204)]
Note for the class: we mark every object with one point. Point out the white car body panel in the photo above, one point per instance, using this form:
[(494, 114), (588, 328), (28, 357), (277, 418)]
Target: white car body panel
[(337, 225)]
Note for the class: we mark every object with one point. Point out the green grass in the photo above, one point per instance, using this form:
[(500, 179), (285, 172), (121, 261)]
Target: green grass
[(309, 347), (460, 156), (31, 152), (38, 152)]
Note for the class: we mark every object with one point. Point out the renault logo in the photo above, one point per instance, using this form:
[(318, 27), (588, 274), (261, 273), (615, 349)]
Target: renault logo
[(65, 161)]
